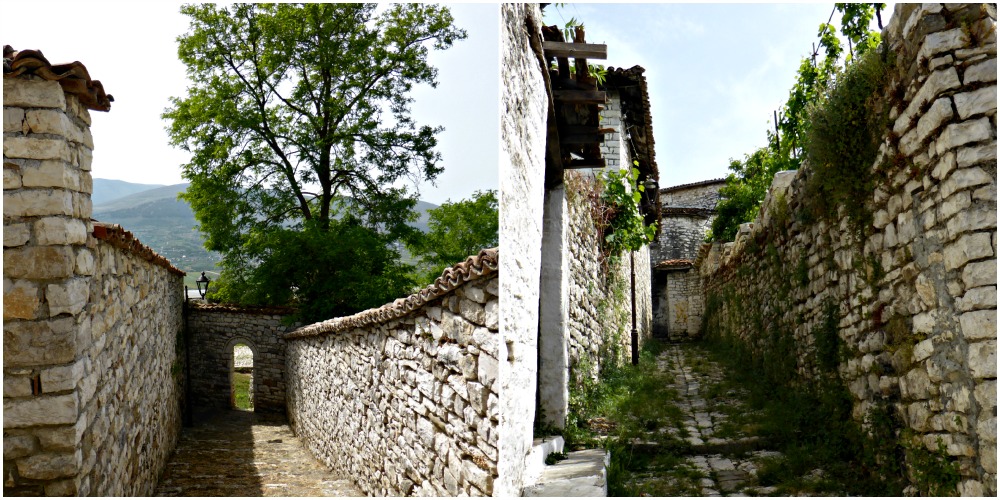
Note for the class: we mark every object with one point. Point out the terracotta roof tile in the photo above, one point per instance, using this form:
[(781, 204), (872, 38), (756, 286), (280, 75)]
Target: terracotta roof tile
[(681, 187), (687, 211), (125, 240), (210, 307), (73, 77), (477, 266)]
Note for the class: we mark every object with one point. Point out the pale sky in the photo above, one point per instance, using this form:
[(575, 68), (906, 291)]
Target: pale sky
[(716, 74), (131, 48)]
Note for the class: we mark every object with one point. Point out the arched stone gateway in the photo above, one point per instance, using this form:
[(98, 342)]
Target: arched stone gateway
[(215, 332)]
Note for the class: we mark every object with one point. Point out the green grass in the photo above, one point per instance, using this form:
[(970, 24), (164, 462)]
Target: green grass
[(241, 391)]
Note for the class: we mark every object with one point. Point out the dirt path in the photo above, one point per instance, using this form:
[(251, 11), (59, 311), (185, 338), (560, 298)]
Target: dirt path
[(237, 453)]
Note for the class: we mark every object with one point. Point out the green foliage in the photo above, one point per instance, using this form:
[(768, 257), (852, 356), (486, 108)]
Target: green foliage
[(625, 228), (241, 391), (846, 125), (596, 71), (296, 115), (457, 230), (747, 185), (934, 472), (324, 273)]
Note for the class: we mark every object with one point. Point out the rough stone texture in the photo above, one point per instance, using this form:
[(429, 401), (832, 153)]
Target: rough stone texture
[(404, 406), (91, 404), (687, 214), (522, 167), (214, 333), (600, 312), (919, 329)]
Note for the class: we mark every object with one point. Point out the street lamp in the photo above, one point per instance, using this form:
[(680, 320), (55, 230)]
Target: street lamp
[(203, 280)]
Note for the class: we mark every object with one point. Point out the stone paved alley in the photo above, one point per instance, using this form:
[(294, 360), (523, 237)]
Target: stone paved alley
[(721, 455), (239, 453)]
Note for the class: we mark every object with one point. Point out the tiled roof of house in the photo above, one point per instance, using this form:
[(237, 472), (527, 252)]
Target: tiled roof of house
[(477, 266), (681, 187), (73, 77), (125, 240), (674, 264), (634, 95)]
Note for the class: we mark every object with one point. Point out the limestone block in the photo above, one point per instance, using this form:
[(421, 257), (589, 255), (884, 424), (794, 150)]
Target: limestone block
[(978, 155), (50, 465), (942, 41), (64, 488), (918, 416), (48, 262), (985, 71), (51, 173), (28, 202), (19, 446), (955, 204), (41, 410), (21, 299), (958, 134), (60, 231), (979, 298), (84, 158), (968, 247), (986, 396), (13, 120), (11, 177), (906, 228), (33, 94), (983, 100), (981, 217), (30, 343), (492, 311), (17, 385), (923, 350), (944, 166), (36, 148), (916, 384), (964, 178), (983, 359), (62, 438), (61, 378), (473, 312), (939, 113), (937, 83), (488, 369), (15, 235), (50, 121), (980, 274)]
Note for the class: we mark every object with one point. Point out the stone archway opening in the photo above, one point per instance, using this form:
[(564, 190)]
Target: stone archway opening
[(241, 377)]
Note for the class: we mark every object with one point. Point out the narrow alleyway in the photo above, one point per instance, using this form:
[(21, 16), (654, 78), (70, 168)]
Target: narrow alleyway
[(239, 453), (712, 448)]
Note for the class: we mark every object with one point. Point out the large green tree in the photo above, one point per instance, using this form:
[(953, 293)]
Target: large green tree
[(457, 230), (298, 121)]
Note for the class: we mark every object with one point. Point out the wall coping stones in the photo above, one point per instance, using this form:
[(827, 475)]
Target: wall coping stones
[(673, 264), (118, 237), (687, 211), (73, 77), (681, 187), (477, 266)]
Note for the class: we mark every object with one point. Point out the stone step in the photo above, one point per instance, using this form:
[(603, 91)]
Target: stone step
[(582, 474)]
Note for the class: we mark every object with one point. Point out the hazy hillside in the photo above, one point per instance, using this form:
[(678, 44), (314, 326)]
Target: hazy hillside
[(167, 225), (106, 190)]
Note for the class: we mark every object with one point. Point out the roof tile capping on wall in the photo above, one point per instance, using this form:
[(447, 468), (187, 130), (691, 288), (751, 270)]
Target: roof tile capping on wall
[(73, 77), (119, 238), (477, 266)]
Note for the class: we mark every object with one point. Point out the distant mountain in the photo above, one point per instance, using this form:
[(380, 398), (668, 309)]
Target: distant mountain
[(167, 225), (106, 190)]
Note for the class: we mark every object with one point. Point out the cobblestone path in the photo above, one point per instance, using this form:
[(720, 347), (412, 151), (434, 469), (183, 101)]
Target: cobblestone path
[(721, 455), (238, 453)]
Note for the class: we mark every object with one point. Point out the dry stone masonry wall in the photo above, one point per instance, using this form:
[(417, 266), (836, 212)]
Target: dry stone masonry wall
[(91, 317), (407, 405), (214, 332), (914, 301), (600, 303)]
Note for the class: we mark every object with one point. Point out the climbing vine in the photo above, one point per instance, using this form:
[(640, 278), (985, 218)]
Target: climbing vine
[(621, 224)]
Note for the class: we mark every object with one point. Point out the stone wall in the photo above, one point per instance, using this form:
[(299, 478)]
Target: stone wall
[(405, 399), (678, 302), (915, 301), (91, 316), (704, 194), (214, 331), (600, 312), (524, 106)]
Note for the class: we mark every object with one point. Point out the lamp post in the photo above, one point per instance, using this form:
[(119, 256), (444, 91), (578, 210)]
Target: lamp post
[(203, 280)]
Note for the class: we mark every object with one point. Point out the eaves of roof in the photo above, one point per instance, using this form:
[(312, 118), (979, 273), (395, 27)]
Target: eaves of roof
[(681, 187)]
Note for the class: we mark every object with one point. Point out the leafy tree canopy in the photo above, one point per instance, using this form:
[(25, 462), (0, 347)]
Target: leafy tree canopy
[(298, 121), (747, 185), (457, 230)]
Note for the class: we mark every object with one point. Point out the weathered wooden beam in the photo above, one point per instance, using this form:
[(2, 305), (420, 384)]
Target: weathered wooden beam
[(581, 138), (585, 129), (580, 96), (584, 50), (585, 163)]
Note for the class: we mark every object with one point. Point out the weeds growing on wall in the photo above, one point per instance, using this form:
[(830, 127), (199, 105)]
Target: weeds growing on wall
[(847, 123), (621, 224)]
